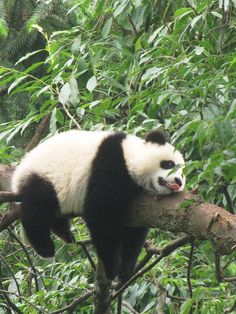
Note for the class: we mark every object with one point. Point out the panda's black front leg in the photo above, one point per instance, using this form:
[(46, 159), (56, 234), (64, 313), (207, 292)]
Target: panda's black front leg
[(109, 194), (106, 236), (133, 241)]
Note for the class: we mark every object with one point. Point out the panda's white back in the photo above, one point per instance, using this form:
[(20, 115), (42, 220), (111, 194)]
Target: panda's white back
[(65, 160)]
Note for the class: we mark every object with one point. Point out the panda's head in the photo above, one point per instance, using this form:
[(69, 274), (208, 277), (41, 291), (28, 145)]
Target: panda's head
[(166, 165), (155, 164)]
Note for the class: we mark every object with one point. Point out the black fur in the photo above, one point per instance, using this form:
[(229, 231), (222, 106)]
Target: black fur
[(156, 136), (133, 241), (61, 227), (109, 195), (39, 208)]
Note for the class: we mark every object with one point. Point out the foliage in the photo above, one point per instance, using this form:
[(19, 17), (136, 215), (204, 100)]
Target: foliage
[(135, 65), (19, 35)]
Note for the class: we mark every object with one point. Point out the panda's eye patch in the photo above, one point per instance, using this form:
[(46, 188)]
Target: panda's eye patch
[(167, 164)]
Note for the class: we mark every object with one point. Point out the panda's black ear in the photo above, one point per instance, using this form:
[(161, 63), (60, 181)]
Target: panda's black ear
[(157, 136)]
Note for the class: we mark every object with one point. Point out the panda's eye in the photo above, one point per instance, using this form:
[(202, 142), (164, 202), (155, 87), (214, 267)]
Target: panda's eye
[(167, 164)]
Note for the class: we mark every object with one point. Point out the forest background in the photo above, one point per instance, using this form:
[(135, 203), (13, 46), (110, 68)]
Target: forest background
[(130, 65)]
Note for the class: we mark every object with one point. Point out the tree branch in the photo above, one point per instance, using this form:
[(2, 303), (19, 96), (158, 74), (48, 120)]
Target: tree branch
[(38, 132), (74, 303), (7, 219), (180, 212), (185, 212), (103, 291), (164, 252)]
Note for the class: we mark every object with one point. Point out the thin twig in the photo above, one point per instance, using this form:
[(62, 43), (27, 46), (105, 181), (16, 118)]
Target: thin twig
[(218, 269), (8, 300), (192, 7), (190, 261), (133, 26), (229, 200), (12, 273), (219, 273), (33, 269), (189, 270), (151, 250), (84, 247), (39, 310), (71, 117), (167, 250), (76, 301)]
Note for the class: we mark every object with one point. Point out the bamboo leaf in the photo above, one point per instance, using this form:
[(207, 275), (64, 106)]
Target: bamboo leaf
[(15, 83), (91, 84)]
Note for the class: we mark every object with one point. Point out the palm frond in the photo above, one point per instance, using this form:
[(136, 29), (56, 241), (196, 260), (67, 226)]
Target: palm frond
[(41, 12), (8, 6), (3, 23), (3, 28)]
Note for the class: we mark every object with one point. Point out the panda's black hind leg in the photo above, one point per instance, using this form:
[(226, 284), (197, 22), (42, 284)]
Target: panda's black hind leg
[(38, 208), (61, 227)]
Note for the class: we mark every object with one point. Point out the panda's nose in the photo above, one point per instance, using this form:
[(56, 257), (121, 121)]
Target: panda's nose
[(178, 181)]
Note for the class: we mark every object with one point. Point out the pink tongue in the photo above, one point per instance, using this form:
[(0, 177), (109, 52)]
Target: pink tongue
[(173, 186)]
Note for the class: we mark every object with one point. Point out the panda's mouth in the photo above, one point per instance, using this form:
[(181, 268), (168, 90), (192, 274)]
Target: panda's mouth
[(173, 186)]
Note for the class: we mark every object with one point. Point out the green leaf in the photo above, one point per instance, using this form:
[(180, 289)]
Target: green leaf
[(28, 55), (64, 94), (114, 83), (74, 91), (92, 83), (16, 82), (186, 306), (53, 121), (43, 90), (106, 28), (182, 12), (75, 48), (198, 50), (195, 20), (120, 8), (59, 116)]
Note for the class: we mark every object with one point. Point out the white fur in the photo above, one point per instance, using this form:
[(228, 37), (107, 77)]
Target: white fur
[(143, 161), (66, 158)]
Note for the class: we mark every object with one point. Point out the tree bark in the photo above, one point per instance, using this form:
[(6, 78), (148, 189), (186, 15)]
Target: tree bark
[(102, 302), (185, 212)]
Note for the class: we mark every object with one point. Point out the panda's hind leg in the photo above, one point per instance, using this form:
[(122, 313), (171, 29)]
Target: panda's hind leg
[(38, 209), (61, 227)]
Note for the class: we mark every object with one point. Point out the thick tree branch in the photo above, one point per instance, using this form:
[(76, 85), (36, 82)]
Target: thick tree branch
[(181, 212), (185, 212), (38, 132), (7, 219), (6, 172), (103, 291)]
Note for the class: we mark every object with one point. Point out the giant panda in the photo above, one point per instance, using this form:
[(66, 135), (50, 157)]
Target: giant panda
[(95, 174)]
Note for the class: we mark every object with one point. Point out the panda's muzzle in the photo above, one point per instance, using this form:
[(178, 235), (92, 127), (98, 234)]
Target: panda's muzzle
[(173, 186)]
